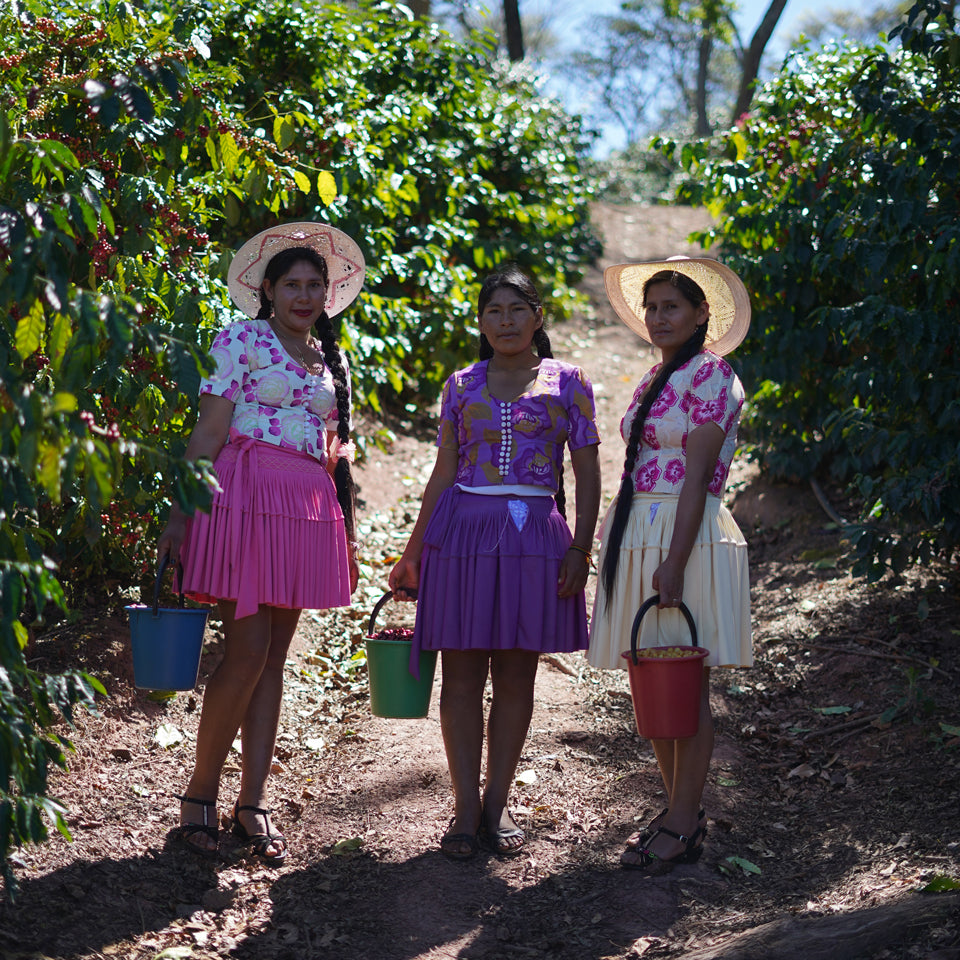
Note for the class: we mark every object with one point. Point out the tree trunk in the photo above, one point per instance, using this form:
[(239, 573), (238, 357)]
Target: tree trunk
[(511, 20), (751, 59), (420, 8), (842, 936), (703, 72)]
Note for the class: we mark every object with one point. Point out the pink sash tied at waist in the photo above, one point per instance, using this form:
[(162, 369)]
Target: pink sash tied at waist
[(243, 529)]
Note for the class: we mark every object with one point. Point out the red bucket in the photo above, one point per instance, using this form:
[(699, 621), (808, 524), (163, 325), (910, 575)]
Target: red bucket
[(666, 688)]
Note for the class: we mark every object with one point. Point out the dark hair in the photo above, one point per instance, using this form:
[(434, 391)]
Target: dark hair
[(513, 277), (281, 264), (692, 292)]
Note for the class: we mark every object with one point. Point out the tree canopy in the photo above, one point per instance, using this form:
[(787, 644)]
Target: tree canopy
[(836, 201), (677, 66), (139, 146)]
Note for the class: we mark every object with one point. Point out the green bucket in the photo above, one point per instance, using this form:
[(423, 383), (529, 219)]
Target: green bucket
[(394, 691)]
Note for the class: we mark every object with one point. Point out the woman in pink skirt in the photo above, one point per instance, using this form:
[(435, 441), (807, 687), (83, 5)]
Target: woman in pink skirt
[(274, 418), (499, 577)]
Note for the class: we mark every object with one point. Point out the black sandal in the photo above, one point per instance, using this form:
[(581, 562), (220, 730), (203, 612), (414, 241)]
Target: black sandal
[(651, 863), (644, 836), (259, 841), (183, 833), (449, 839), (496, 841)]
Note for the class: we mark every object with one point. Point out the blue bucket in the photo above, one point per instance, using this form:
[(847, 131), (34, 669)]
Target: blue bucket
[(167, 642)]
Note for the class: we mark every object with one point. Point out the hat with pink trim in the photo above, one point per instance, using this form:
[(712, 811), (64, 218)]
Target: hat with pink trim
[(345, 263)]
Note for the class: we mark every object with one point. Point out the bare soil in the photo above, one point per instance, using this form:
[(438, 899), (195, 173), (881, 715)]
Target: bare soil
[(832, 800)]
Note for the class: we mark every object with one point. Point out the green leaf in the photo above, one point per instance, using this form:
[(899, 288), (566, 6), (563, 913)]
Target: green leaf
[(745, 865), (59, 340), (941, 884), (63, 402), (230, 152), (326, 187), (48, 473), (830, 711), (210, 145), (302, 180), (61, 153), (288, 133), (231, 208), (346, 846), (29, 334), (141, 103)]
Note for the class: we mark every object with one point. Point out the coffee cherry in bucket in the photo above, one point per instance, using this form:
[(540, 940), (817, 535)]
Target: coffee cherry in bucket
[(668, 653)]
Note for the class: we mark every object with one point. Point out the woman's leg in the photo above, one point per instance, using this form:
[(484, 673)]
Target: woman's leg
[(690, 764), (461, 722), (666, 753), (225, 701), (513, 673), (258, 730)]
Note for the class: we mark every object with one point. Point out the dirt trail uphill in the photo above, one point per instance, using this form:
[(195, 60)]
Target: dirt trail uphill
[(832, 800)]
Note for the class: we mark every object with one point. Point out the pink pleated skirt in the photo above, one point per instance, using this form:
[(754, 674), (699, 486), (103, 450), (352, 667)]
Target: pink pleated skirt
[(488, 577), (274, 535)]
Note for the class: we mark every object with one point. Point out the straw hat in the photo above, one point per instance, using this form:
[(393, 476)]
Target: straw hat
[(345, 263), (725, 292)]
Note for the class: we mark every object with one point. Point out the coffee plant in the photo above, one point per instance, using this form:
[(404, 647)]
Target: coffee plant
[(837, 203), (139, 146)]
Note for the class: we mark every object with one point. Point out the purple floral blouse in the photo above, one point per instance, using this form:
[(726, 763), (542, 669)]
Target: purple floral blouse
[(520, 441), (275, 399), (704, 390)]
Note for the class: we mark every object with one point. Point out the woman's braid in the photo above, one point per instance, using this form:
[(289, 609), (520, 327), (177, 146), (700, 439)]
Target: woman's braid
[(342, 475), (621, 513)]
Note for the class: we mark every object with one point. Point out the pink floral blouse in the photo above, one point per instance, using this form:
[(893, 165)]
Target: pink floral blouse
[(521, 441), (703, 390), (275, 399)]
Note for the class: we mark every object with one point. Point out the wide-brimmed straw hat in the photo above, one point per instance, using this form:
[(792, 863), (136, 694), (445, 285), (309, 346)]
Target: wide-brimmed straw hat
[(345, 263), (727, 296)]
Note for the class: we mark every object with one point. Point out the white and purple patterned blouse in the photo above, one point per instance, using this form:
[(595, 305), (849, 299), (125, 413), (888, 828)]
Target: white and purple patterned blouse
[(704, 390), (275, 399), (520, 441)]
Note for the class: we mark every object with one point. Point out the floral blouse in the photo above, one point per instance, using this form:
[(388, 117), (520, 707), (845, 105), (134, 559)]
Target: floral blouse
[(275, 399), (704, 390), (521, 441)]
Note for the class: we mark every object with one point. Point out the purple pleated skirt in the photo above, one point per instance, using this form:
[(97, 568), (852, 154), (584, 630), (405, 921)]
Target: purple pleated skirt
[(274, 535), (488, 577)]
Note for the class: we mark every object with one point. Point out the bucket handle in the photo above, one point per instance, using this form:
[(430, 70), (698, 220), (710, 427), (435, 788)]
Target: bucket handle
[(159, 580), (387, 596), (635, 630)]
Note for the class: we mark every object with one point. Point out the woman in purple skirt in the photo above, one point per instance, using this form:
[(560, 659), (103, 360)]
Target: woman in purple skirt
[(499, 577)]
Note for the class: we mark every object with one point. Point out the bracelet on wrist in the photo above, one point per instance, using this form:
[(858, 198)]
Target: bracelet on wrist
[(587, 553)]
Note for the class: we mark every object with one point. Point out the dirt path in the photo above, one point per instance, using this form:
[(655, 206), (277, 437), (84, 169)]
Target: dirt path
[(830, 799)]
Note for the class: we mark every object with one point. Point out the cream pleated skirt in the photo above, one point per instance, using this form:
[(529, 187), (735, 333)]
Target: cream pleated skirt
[(716, 586)]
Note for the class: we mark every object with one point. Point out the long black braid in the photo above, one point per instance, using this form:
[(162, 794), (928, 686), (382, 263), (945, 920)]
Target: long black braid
[(517, 280), (278, 266), (342, 475), (695, 295)]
